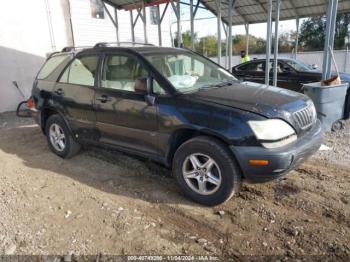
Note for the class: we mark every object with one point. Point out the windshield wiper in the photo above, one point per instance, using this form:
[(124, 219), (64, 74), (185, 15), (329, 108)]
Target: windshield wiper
[(225, 83), (221, 84), (207, 86)]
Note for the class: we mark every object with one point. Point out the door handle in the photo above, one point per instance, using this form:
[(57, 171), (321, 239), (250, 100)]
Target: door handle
[(103, 99), (59, 92)]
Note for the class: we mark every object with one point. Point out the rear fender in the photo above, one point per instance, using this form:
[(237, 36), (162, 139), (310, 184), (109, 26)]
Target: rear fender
[(46, 112)]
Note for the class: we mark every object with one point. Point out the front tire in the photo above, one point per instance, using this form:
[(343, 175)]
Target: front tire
[(59, 137), (206, 171)]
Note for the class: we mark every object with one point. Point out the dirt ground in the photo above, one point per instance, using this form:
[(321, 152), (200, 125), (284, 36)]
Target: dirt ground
[(110, 203)]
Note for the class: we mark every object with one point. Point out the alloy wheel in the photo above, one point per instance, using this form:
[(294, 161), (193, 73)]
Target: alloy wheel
[(202, 174), (57, 137)]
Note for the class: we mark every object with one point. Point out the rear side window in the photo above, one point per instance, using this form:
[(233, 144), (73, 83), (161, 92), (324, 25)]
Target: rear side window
[(254, 67), (81, 71), (50, 65), (242, 68)]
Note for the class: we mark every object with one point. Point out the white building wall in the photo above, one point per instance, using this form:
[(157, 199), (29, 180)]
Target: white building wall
[(26, 37), (89, 30), (24, 42)]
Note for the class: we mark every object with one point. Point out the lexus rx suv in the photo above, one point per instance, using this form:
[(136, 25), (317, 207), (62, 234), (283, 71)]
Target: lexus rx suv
[(178, 108)]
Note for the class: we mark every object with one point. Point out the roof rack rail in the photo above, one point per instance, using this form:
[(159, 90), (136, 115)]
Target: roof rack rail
[(49, 55), (73, 48), (105, 44)]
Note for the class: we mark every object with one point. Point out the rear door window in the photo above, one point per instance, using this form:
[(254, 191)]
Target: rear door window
[(252, 67), (260, 66), (81, 71), (50, 65)]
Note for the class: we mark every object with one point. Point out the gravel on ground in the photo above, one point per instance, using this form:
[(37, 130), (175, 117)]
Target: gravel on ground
[(106, 202)]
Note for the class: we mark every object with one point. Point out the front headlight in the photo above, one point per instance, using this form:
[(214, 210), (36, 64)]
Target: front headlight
[(273, 133)]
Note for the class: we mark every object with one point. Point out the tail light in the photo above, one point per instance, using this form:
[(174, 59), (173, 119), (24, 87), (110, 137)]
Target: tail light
[(30, 103)]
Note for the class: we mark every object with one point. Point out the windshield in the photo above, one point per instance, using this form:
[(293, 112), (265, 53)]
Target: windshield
[(189, 72), (298, 65)]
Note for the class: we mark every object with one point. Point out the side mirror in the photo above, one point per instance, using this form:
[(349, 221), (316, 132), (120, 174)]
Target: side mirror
[(314, 66), (143, 86), (287, 70)]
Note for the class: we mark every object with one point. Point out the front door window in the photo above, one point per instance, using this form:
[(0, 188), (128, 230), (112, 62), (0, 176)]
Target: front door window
[(122, 72)]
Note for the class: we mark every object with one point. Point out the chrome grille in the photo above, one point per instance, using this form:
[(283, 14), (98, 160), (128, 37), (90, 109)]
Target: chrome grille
[(305, 117)]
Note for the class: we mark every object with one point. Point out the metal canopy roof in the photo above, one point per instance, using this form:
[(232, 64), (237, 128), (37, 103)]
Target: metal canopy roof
[(249, 11), (255, 11), (133, 4)]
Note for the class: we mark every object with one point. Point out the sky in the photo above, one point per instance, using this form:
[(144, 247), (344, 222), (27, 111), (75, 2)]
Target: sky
[(207, 24)]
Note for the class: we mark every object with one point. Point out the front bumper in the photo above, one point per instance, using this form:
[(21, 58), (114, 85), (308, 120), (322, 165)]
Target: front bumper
[(281, 160)]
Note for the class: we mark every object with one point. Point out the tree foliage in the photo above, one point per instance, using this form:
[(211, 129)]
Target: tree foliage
[(208, 45), (257, 45), (312, 32), (311, 37)]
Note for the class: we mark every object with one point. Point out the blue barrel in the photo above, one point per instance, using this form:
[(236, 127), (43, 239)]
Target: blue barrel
[(329, 102)]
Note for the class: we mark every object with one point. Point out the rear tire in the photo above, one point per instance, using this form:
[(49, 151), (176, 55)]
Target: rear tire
[(59, 137), (206, 171)]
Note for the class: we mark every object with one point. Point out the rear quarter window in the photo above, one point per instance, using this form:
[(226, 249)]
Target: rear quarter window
[(50, 65)]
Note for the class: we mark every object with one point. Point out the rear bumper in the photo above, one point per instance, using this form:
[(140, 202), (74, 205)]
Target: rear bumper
[(36, 116), (281, 160)]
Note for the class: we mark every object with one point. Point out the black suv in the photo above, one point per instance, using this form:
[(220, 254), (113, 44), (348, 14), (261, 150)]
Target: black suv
[(177, 108)]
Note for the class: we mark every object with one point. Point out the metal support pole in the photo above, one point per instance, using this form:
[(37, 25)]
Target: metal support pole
[(346, 58), (116, 24), (132, 26), (164, 11), (326, 44), (247, 38), (160, 20), (296, 38), (275, 61), (114, 21), (230, 7), (179, 35), (226, 43), (49, 21), (159, 27), (177, 10), (268, 42), (71, 24), (192, 24), (329, 41), (218, 6), (144, 20)]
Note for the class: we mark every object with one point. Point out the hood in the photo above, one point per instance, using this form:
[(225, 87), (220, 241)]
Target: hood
[(344, 77), (268, 101)]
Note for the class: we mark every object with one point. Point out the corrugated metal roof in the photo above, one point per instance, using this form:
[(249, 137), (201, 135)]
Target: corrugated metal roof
[(250, 11), (133, 4), (255, 11)]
